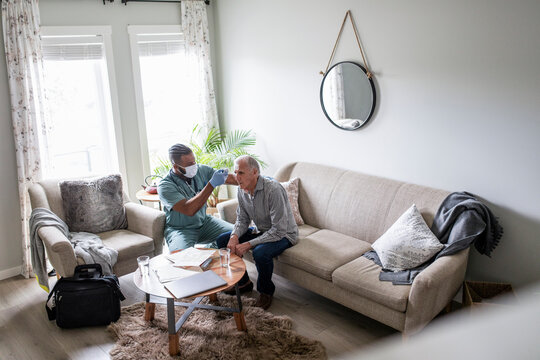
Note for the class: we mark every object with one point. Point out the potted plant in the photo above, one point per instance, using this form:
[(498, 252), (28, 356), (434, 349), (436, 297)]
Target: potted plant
[(217, 149)]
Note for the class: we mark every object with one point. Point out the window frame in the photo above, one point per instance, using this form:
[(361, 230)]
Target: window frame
[(134, 31), (105, 31)]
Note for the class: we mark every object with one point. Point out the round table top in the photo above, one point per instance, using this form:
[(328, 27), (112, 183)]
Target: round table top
[(146, 196), (150, 284)]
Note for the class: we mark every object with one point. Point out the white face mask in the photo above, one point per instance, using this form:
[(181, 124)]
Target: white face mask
[(191, 171)]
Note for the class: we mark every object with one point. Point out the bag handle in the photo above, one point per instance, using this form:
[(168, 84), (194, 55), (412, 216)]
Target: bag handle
[(88, 271)]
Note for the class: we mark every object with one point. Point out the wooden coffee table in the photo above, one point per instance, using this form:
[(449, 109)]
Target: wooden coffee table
[(157, 294)]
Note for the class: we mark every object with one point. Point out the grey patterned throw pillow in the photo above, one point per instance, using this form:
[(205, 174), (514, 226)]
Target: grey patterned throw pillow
[(407, 243), (94, 205)]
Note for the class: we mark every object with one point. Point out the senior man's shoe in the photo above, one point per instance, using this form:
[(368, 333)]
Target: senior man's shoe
[(264, 301), (247, 287)]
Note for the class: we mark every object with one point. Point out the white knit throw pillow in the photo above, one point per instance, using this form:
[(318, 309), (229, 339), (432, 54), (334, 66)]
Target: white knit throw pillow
[(407, 243)]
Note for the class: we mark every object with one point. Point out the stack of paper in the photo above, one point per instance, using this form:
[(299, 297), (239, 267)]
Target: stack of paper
[(169, 272), (190, 257)]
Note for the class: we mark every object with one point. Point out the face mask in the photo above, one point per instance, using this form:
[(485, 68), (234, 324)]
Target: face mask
[(191, 171)]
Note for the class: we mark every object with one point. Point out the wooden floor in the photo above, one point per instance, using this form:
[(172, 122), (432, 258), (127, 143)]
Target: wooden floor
[(26, 333)]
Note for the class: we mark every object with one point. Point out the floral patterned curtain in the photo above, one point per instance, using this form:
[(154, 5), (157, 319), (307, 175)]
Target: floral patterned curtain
[(337, 93), (21, 28), (197, 47)]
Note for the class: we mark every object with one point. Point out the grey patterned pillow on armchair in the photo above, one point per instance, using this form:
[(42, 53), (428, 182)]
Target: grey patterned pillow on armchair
[(94, 205)]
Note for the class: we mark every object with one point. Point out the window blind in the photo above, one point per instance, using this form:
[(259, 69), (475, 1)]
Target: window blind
[(159, 44), (160, 48), (73, 48)]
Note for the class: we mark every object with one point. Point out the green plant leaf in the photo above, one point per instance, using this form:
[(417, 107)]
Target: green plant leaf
[(219, 149), (163, 167)]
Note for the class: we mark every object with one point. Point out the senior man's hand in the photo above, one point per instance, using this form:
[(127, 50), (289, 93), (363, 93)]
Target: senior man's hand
[(233, 243), (242, 248)]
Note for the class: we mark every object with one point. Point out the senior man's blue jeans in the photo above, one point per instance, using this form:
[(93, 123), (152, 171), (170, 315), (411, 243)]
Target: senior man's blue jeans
[(263, 254)]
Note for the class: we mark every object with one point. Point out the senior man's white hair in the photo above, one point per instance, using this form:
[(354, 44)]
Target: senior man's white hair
[(251, 162)]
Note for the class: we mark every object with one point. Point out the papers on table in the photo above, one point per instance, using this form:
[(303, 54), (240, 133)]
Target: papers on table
[(169, 272), (190, 257)]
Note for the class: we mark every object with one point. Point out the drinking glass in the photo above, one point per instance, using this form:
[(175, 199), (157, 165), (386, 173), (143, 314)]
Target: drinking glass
[(144, 264), (225, 257)]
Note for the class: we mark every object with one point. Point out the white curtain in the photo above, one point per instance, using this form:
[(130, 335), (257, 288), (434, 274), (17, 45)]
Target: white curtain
[(198, 61), (338, 92), (21, 27)]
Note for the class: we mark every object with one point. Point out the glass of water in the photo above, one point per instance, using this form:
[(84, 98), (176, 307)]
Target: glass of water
[(225, 257), (144, 265)]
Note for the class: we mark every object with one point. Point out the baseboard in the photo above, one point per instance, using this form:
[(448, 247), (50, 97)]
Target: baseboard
[(5, 274)]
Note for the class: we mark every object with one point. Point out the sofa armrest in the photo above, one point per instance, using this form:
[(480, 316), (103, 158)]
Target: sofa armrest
[(146, 221), (227, 210), (433, 289), (59, 250)]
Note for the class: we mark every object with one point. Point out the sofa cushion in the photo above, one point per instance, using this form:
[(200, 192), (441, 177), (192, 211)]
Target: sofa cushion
[(361, 276), (128, 244), (408, 243), (359, 204), (305, 230), (317, 185), (427, 201), (324, 251)]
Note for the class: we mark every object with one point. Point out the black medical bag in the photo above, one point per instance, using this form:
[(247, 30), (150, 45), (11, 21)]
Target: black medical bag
[(86, 299)]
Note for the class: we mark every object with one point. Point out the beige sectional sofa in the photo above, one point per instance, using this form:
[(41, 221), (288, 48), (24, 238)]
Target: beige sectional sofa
[(344, 213)]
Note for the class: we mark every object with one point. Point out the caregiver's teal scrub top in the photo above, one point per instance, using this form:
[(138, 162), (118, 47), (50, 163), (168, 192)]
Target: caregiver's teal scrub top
[(172, 189)]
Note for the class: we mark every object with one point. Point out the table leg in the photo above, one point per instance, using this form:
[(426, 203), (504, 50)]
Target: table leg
[(174, 344), (213, 297), (239, 316), (240, 321), (149, 309)]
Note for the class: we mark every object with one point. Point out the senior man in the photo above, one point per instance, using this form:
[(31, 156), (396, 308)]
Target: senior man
[(264, 201), (183, 193)]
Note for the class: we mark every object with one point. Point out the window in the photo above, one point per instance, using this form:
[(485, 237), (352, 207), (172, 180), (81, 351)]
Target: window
[(82, 138), (165, 102)]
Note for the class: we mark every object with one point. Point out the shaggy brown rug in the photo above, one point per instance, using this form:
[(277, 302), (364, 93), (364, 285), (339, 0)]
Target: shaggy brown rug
[(209, 334)]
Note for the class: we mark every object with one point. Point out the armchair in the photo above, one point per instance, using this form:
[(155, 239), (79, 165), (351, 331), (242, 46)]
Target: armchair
[(144, 235)]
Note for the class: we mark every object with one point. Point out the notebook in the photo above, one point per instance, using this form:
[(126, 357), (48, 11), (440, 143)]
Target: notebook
[(194, 284)]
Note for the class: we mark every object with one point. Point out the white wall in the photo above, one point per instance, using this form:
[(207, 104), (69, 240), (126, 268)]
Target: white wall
[(68, 13), (459, 99)]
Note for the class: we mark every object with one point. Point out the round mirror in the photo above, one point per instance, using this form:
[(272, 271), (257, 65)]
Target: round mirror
[(347, 95)]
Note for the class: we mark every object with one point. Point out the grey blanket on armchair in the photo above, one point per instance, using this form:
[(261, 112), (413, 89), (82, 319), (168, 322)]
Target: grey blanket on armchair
[(461, 220), (87, 246)]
